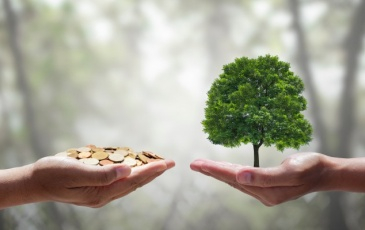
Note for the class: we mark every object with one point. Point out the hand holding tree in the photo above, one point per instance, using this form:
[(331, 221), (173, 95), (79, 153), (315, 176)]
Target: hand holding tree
[(299, 174)]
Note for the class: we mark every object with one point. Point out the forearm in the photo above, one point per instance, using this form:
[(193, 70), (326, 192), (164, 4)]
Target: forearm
[(344, 174), (16, 186)]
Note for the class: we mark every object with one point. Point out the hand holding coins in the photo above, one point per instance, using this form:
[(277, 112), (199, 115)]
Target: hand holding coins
[(64, 179), (93, 155)]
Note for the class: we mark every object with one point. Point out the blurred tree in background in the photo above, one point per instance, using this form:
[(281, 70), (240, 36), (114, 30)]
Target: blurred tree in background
[(136, 73)]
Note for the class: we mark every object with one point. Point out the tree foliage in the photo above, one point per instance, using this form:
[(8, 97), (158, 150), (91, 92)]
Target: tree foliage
[(257, 101)]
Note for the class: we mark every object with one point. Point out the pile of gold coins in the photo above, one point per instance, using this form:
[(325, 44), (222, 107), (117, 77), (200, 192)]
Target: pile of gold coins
[(93, 155)]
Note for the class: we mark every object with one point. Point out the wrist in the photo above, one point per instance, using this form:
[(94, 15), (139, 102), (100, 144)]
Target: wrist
[(32, 189), (15, 186), (344, 174), (330, 175)]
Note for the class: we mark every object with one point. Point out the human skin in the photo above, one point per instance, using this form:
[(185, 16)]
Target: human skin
[(64, 179), (297, 175)]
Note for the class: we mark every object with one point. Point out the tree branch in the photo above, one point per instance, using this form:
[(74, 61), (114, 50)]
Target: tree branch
[(12, 27)]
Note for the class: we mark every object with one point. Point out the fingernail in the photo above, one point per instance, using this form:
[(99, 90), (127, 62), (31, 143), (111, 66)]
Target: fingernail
[(244, 178), (123, 171)]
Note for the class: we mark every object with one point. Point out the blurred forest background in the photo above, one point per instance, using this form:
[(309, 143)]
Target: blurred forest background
[(136, 72)]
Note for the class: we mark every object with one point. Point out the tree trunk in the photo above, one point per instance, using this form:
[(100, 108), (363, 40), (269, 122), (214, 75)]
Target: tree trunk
[(353, 48), (303, 61), (6, 139), (33, 134), (256, 161), (335, 211), (12, 27)]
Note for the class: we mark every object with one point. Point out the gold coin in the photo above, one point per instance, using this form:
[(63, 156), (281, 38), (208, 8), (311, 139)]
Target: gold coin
[(151, 155), (90, 161), (82, 160), (116, 157), (125, 148), (158, 157), (100, 155), (152, 160), (91, 146), (130, 161), (143, 158), (72, 154), (110, 148), (105, 162), (84, 155), (84, 149), (72, 151), (122, 152), (132, 155), (147, 154), (97, 149)]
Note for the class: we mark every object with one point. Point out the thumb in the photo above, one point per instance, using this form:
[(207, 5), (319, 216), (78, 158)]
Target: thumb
[(105, 175), (263, 177)]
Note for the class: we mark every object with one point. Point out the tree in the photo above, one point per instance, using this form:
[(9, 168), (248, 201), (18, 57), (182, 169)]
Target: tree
[(257, 101)]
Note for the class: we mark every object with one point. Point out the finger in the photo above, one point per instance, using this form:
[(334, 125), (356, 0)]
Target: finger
[(89, 175), (271, 196), (99, 176), (196, 165), (134, 185), (100, 195), (156, 166), (112, 191), (169, 163), (266, 177), (223, 171), (220, 170), (245, 190), (140, 176)]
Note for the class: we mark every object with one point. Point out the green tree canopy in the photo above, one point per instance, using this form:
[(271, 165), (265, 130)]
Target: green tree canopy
[(257, 101)]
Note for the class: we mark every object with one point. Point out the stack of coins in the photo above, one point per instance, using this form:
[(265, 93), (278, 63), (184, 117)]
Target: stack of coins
[(93, 155)]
